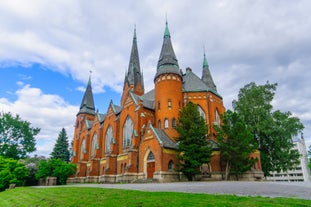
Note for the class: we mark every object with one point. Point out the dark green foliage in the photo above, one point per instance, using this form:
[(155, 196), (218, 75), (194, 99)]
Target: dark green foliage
[(235, 143), (193, 144), (32, 164), (61, 148), (56, 168), (272, 130), (17, 138), (11, 172)]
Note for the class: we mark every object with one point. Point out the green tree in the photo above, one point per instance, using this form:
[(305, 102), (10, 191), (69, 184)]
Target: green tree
[(61, 147), (272, 130), (57, 168), (11, 172), (193, 144), (17, 137), (235, 143)]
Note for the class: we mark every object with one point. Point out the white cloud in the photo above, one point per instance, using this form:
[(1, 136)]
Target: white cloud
[(48, 112), (245, 41)]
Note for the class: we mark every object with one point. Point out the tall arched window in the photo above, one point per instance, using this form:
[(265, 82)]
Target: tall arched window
[(94, 145), (159, 124), (82, 149), (127, 132), (202, 113), (165, 123), (217, 118), (108, 139)]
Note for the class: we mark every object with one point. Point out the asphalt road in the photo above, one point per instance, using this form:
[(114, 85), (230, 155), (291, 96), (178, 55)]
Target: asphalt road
[(265, 189)]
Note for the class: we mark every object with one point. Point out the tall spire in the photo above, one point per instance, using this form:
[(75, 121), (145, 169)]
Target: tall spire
[(167, 61), (87, 104), (134, 76), (206, 75)]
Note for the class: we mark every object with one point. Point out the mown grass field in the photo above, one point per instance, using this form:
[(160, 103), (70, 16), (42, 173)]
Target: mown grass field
[(83, 196)]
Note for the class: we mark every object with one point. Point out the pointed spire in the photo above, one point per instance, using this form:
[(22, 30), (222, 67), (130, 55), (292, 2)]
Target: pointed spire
[(133, 74), (206, 75), (87, 104), (167, 61)]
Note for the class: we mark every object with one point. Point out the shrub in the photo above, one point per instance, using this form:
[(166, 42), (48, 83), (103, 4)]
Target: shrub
[(12, 172)]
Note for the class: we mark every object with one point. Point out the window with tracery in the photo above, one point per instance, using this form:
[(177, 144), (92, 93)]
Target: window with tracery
[(127, 132), (82, 149), (94, 145), (108, 140)]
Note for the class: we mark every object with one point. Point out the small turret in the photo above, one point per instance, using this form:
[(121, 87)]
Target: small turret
[(206, 75), (87, 104)]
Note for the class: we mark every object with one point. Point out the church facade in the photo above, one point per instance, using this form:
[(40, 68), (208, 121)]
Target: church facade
[(137, 139)]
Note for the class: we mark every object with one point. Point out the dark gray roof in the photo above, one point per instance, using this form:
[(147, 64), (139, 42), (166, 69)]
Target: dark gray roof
[(206, 75), (87, 104), (148, 99), (89, 124), (163, 138), (167, 61), (101, 117), (116, 109), (134, 75), (192, 83)]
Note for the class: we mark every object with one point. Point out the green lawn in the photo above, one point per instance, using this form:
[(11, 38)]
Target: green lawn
[(83, 196)]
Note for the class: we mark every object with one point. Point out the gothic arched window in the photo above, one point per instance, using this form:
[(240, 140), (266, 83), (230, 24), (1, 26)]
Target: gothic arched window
[(202, 113), (108, 139), (94, 145), (151, 157), (217, 118), (82, 149), (127, 132)]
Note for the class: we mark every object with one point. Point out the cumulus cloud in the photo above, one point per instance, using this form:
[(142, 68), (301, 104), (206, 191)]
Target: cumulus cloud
[(48, 112), (244, 41)]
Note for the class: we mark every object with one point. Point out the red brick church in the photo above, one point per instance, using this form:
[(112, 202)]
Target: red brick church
[(137, 139)]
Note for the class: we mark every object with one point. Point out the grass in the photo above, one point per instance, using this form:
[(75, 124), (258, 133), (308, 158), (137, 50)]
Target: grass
[(84, 196)]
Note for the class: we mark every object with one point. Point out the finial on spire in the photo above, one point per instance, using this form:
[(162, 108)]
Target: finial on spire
[(135, 37), (166, 32), (90, 76), (205, 63)]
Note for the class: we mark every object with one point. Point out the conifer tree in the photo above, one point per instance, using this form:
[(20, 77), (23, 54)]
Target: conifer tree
[(61, 147), (193, 144)]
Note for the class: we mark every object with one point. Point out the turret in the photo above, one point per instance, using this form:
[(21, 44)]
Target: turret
[(206, 75), (168, 88)]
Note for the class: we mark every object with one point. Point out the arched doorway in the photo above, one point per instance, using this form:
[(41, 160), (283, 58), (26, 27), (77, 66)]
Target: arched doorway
[(150, 165)]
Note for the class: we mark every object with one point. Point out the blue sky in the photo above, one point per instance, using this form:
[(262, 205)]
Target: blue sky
[(47, 51)]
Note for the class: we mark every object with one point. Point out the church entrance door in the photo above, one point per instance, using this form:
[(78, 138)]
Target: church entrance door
[(150, 165), (150, 169)]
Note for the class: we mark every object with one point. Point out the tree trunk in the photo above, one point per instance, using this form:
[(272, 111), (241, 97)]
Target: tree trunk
[(227, 170)]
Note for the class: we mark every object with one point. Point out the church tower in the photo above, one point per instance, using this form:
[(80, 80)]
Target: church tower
[(85, 114), (168, 88), (133, 78)]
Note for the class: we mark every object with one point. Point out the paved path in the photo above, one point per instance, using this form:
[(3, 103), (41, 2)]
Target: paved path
[(266, 189)]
